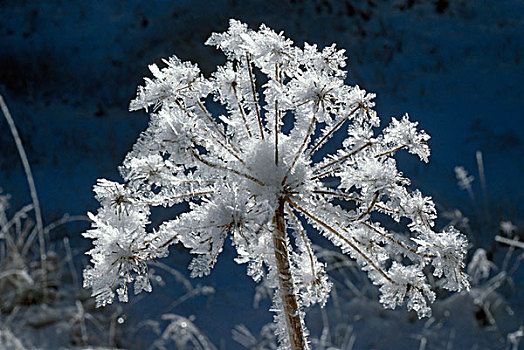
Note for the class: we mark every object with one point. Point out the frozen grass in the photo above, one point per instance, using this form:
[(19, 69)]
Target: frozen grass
[(31, 274), (42, 298), (181, 333)]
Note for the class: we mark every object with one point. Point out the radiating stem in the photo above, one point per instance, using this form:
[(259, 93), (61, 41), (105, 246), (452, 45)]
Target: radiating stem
[(242, 112), (343, 158), (230, 152), (390, 151), (233, 150), (181, 196), (223, 167), (210, 118), (370, 207), (341, 237), (295, 329), (397, 242), (304, 239), (254, 92), (304, 144), (352, 198), (335, 128), (325, 173)]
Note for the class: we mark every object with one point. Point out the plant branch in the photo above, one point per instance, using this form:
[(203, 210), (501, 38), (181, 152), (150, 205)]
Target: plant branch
[(277, 117), (222, 167), (304, 143), (242, 112), (254, 92), (233, 151), (343, 158), (335, 128), (395, 241), (352, 198), (181, 196), (370, 207), (390, 151), (341, 237), (217, 127), (304, 239)]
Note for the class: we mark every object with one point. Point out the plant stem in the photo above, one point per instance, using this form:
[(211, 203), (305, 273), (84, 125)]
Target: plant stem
[(32, 189), (295, 328), (254, 92)]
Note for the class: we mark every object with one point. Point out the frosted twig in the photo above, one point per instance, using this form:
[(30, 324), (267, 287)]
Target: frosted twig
[(332, 131), (343, 158), (510, 242), (254, 92), (343, 238)]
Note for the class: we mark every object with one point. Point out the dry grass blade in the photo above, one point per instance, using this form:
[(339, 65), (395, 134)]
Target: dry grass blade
[(32, 188)]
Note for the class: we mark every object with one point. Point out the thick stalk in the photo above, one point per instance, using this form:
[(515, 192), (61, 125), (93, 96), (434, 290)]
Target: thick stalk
[(290, 309)]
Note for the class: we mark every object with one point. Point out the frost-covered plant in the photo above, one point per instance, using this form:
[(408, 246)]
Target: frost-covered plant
[(265, 170), (17, 234)]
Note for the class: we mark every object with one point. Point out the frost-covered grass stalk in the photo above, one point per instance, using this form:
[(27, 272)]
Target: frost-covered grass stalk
[(32, 188), (259, 174)]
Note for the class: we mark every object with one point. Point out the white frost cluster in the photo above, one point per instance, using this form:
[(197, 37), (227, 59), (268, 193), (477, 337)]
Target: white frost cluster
[(240, 170)]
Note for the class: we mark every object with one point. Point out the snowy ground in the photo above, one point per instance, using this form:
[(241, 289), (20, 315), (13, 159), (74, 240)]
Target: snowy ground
[(68, 71)]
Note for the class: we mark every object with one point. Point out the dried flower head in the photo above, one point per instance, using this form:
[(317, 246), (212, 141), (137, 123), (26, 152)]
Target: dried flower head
[(260, 170)]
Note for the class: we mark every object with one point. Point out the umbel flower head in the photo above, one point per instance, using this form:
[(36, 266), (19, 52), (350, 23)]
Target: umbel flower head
[(251, 149)]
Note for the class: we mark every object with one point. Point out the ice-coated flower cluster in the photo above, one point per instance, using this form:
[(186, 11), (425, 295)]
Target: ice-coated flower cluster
[(268, 161)]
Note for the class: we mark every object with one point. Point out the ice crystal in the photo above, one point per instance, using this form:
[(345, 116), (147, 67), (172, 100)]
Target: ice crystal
[(247, 179)]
